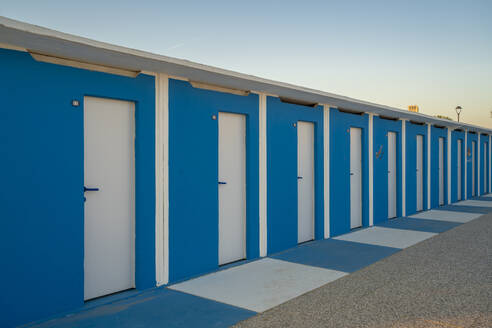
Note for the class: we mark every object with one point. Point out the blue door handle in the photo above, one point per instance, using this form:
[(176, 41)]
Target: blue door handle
[(90, 189), (222, 182)]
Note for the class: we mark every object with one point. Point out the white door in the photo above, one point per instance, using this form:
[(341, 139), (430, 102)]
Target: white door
[(109, 224), (420, 170), (473, 167), (232, 187), (458, 160), (441, 171), (485, 156), (305, 181), (391, 175), (355, 178)]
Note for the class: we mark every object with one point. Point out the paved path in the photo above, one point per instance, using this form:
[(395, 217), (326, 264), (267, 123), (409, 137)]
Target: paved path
[(445, 281), (404, 272)]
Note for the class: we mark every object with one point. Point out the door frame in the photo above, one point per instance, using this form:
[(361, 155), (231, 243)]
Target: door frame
[(314, 178), (361, 177), (397, 171), (245, 187), (134, 219)]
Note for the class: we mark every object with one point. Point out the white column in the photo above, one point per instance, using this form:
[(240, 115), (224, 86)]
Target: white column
[(479, 149), (428, 166), (263, 173), (466, 164), (371, 169), (162, 179), (449, 166), (403, 167), (326, 152)]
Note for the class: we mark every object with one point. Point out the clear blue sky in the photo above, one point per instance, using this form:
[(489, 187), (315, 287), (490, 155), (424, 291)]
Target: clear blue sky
[(437, 54)]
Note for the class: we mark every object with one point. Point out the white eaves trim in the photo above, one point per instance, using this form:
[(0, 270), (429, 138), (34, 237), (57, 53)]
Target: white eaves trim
[(63, 45)]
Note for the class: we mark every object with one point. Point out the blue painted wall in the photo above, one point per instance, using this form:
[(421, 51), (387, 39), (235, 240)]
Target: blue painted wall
[(193, 176), (340, 124), (412, 130), (437, 133), (282, 171), (470, 138), (484, 164), (380, 159), (455, 136), (42, 174)]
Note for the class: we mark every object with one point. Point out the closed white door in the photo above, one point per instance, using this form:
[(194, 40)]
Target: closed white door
[(391, 175), (441, 171), (109, 190), (420, 166), (232, 187), (355, 178), (473, 167), (458, 160), (485, 156), (305, 181)]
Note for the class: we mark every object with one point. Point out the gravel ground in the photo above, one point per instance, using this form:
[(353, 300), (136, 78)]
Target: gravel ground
[(445, 281)]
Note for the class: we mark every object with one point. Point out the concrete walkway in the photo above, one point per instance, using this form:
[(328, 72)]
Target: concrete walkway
[(445, 281), (334, 282)]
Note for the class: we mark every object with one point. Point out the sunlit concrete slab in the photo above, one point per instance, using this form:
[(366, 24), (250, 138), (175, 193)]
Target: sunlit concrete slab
[(389, 237), (450, 216), (259, 285), (473, 202)]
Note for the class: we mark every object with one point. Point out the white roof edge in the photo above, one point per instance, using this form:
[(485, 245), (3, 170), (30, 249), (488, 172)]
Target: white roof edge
[(24, 35)]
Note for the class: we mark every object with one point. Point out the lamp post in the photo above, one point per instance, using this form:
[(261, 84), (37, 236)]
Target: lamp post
[(458, 111)]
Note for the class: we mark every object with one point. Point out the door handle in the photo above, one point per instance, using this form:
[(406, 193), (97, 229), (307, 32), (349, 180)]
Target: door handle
[(351, 173), (222, 182), (298, 178), (90, 189)]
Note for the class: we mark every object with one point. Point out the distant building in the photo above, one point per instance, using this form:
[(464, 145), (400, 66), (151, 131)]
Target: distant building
[(413, 108)]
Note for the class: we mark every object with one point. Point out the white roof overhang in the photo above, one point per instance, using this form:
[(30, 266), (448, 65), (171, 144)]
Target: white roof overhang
[(49, 42)]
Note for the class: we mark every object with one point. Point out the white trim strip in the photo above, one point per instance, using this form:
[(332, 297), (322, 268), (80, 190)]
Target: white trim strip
[(479, 148), (449, 166), (326, 142), (263, 173), (428, 166), (466, 164), (162, 180), (403, 167), (371, 169), (158, 184)]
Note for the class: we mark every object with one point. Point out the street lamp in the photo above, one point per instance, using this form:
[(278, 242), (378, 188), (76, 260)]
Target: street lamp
[(458, 111)]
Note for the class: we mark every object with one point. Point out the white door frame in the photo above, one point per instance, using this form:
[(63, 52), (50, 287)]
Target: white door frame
[(459, 169), (473, 164), (305, 181), (109, 229), (357, 219), (419, 190), (440, 166), (232, 187), (392, 172)]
